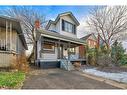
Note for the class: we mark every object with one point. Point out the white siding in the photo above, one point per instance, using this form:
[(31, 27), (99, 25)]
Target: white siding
[(69, 19), (58, 26), (52, 27), (50, 56), (19, 46), (38, 48)]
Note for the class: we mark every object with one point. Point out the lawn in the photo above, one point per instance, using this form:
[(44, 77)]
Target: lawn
[(11, 79)]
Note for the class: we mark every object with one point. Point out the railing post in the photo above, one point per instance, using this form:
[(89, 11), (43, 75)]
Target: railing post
[(6, 34), (10, 36)]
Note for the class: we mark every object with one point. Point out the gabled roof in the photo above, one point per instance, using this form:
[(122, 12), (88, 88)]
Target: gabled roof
[(58, 36), (16, 25), (58, 17), (87, 36)]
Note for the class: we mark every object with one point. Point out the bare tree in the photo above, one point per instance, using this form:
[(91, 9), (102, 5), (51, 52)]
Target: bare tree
[(108, 22), (27, 16)]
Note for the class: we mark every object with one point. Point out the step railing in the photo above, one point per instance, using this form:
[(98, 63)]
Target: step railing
[(66, 64)]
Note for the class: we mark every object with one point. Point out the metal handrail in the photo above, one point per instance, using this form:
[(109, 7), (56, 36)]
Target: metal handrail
[(65, 60)]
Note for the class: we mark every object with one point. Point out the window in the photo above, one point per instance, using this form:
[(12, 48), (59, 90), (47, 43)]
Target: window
[(72, 50), (68, 27), (49, 48)]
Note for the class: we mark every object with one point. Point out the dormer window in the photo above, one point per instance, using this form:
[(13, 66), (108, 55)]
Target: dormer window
[(68, 27)]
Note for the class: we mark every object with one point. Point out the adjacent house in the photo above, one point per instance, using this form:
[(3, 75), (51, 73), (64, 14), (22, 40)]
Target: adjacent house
[(58, 45), (91, 40), (12, 41)]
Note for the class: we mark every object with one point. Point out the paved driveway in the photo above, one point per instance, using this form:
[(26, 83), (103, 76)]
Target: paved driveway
[(60, 79)]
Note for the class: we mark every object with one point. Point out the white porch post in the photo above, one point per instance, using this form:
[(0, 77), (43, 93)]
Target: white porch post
[(6, 34), (69, 50), (10, 36)]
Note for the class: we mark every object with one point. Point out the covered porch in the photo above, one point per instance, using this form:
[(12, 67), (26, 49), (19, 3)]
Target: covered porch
[(10, 40), (62, 51)]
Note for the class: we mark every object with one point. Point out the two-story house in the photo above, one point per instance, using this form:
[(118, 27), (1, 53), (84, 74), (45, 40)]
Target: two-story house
[(58, 45), (12, 40), (91, 40)]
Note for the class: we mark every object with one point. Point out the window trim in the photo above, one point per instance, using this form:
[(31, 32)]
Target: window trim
[(73, 27), (44, 50)]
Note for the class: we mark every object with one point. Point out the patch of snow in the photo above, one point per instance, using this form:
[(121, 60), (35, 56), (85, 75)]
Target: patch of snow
[(120, 77)]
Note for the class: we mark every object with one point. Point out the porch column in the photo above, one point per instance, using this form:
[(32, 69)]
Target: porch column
[(59, 55), (68, 50), (42, 43), (10, 36), (6, 34)]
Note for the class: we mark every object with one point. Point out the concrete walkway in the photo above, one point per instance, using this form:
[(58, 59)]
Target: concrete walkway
[(60, 79)]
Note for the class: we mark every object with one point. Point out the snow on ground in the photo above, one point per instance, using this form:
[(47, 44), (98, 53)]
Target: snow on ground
[(120, 77)]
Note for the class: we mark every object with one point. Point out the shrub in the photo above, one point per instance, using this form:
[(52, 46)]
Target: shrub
[(92, 56), (123, 60), (104, 60), (20, 63), (118, 53)]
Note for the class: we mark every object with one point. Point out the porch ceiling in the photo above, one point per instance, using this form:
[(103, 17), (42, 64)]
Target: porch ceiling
[(57, 36)]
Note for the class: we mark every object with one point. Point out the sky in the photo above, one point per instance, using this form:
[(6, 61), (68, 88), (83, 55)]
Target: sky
[(51, 12), (80, 12)]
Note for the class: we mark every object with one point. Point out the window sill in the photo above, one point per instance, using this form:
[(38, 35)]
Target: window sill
[(69, 32)]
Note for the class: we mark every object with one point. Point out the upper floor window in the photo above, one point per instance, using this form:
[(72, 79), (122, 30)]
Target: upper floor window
[(68, 27)]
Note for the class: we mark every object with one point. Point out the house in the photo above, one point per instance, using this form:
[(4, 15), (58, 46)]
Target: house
[(91, 40), (58, 45), (12, 41)]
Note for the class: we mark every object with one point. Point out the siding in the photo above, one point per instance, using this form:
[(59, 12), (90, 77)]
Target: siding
[(38, 48), (6, 59), (69, 19), (19, 46), (50, 56), (52, 27)]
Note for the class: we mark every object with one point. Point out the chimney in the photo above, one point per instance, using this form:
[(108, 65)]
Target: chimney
[(37, 24)]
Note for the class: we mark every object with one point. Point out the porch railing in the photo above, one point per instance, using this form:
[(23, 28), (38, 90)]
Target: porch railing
[(4, 46)]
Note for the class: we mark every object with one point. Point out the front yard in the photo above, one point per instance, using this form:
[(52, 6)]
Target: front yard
[(114, 73), (9, 80)]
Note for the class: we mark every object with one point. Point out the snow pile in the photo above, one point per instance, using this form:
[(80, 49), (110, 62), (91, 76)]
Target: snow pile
[(120, 77)]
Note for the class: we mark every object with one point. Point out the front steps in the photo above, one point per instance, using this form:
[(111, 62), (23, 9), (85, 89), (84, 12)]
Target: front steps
[(66, 65)]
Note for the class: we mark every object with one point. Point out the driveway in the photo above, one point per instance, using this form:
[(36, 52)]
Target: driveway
[(61, 79)]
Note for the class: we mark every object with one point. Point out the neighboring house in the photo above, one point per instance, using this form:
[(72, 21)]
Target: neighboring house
[(12, 41), (91, 40), (58, 45)]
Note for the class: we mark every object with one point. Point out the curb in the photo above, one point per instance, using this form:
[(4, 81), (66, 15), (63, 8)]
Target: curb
[(105, 80)]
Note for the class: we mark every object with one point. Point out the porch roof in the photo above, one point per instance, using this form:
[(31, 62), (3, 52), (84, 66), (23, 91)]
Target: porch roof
[(16, 25), (58, 36)]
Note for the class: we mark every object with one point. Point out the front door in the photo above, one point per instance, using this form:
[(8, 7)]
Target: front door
[(60, 52)]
